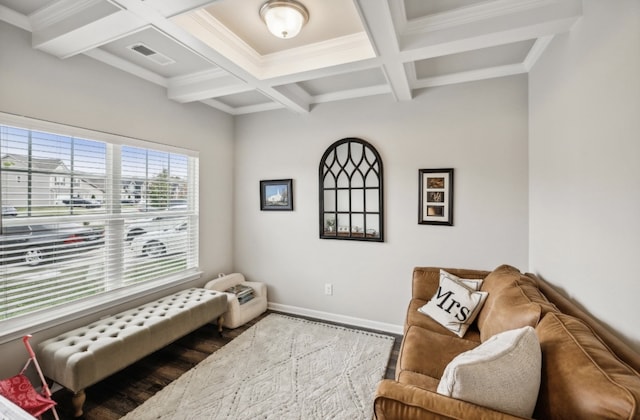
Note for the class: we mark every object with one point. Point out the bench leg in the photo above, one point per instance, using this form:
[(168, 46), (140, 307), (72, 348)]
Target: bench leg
[(220, 321), (77, 401)]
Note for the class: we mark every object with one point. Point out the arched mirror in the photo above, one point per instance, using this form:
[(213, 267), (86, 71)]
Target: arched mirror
[(351, 204)]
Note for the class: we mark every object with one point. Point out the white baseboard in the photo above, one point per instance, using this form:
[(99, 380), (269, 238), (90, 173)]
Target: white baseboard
[(342, 319)]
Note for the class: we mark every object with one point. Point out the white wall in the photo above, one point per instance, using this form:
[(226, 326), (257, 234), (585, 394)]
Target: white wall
[(479, 129), (82, 92), (585, 164)]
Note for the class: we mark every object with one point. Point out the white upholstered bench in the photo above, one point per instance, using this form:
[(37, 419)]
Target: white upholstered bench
[(84, 356)]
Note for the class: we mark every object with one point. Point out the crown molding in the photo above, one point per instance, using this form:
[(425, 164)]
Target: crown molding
[(59, 11), (333, 52), (354, 47), (470, 14), (217, 36)]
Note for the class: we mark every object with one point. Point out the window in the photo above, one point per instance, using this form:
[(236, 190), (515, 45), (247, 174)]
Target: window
[(86, 213), (351, 206)]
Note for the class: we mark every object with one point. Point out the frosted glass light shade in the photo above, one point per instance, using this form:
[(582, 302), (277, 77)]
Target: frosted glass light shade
[(284, 19)]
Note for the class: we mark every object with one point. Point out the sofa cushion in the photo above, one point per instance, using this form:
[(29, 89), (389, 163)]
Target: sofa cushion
[(503, 373), (581, 377), (415, 317), (408, 377), (509, 305), (454, 305), (428, 353)]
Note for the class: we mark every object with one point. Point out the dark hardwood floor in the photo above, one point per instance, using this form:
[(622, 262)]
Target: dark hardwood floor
[(122, 392)]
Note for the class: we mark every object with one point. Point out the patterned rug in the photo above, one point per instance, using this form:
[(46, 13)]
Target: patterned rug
[(281, 368)]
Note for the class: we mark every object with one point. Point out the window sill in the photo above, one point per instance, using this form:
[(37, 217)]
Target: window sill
[(18, 327)]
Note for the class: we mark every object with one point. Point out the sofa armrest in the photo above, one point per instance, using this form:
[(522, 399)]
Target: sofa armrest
[(397, 401)]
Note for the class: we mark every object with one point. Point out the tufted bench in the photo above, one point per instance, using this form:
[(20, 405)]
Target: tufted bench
[(84, 356)]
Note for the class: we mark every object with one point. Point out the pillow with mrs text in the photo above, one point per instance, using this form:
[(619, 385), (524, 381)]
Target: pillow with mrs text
[(454, 305)]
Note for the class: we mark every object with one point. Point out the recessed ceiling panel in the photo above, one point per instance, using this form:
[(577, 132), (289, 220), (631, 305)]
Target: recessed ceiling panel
[(26, 7), (474, 60), (342, 82), (328, 19), (239, 100), (184, 61), (419, 8)]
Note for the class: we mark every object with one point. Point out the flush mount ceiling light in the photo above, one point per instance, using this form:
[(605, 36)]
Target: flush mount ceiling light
[(284, 18)]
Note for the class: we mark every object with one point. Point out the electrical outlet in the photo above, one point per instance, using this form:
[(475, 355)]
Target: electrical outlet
[(328, 289)]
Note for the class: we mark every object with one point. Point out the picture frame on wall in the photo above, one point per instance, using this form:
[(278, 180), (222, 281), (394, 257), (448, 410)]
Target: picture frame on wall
[(435, 197), (276, 194)]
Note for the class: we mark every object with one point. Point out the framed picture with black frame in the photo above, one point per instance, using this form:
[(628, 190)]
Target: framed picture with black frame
[(276, 194), (436, 197)]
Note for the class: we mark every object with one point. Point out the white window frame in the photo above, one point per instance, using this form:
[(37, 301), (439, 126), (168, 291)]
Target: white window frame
[(14, 328)]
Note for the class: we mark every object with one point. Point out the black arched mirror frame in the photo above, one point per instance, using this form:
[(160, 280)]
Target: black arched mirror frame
[(351, 194)]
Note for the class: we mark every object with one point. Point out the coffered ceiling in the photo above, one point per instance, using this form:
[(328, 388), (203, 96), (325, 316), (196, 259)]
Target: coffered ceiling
[(220, 52)]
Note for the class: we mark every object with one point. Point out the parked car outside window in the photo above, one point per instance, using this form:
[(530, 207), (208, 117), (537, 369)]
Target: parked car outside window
[(35, 244), (159, 243), (81, 202), (9, 211), (158, 223)]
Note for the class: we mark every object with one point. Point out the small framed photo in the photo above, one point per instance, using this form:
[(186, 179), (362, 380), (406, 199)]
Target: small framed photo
[(276, 194), (436, 197)]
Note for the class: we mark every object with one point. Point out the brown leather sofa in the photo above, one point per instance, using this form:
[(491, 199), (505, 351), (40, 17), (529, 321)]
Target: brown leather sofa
[(587, 373)]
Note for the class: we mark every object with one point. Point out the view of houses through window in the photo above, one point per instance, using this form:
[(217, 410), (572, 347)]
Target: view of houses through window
[(81, 217)]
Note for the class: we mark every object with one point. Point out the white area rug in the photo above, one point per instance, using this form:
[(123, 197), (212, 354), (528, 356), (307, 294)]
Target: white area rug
[(281, 368)]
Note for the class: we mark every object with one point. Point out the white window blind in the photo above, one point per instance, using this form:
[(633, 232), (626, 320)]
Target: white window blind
[(84, 215)]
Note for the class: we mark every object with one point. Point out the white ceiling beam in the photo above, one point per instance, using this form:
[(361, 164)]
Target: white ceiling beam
[(470, 76), (352, 94), (127, 66), (170, 8), (291, 96), (76, 30), (250, 109), (381, 31), (479, 40), (218, 105), (14, 18), (205, 85), (536, 51), (470, 14), (488, 26), (241, 110)]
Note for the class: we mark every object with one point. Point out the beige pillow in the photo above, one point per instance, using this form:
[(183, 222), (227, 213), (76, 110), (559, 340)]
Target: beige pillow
[(503, 373), (454, 305)]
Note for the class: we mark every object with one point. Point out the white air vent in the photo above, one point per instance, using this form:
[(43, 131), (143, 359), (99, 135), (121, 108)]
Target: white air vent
[(150, 54)]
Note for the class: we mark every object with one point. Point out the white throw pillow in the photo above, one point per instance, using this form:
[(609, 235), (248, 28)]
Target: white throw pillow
[(473, 284), (454, 305), (503, 373)]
